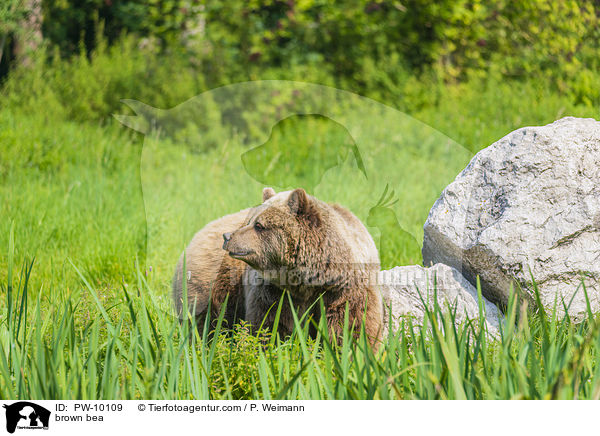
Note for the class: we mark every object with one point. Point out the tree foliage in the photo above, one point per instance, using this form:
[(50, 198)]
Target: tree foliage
[(374, 47)]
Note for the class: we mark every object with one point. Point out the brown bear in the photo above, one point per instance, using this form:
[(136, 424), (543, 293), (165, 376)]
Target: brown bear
[(292, 242)]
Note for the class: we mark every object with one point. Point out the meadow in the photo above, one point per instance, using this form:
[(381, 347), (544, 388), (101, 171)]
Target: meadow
[(94, 216)]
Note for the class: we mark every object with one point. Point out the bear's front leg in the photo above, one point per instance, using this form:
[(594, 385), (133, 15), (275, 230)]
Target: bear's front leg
[(262, 301)]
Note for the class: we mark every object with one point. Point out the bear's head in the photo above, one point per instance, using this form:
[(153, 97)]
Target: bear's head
[(278, 232)]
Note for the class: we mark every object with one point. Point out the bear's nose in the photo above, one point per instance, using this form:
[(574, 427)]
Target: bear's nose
[(226, 238)]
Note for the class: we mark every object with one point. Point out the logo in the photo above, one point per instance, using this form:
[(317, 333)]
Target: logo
[(26, 415)]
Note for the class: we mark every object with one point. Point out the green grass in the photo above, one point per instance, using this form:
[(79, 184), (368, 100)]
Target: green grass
[(135, 349), (88, 208)]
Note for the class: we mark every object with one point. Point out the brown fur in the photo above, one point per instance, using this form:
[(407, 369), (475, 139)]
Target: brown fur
[(211, 273), (291, 243)]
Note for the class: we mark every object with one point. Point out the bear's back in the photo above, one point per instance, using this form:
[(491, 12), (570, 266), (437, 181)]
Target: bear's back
[(354, 232)]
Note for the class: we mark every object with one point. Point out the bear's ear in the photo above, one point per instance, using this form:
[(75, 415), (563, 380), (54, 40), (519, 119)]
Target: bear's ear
[(303, 207), (268, 193)]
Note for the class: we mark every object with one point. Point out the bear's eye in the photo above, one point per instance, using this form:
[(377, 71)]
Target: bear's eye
[(258, 226)]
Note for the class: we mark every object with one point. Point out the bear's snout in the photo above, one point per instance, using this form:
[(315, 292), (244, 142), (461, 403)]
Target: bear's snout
[(226, 238)]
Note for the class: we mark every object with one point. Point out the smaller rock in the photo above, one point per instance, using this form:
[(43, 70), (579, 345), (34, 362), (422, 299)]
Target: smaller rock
[(403, 286)]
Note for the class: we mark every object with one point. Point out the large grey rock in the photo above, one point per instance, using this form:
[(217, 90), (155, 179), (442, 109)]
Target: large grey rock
[(529, 202), (406, 291)]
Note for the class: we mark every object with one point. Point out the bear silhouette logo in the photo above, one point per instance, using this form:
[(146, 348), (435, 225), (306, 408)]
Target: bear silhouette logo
[(25, 414)]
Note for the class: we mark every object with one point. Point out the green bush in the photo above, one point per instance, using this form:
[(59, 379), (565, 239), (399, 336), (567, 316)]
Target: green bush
[(557, 41), (90, 88), (402, 53)]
